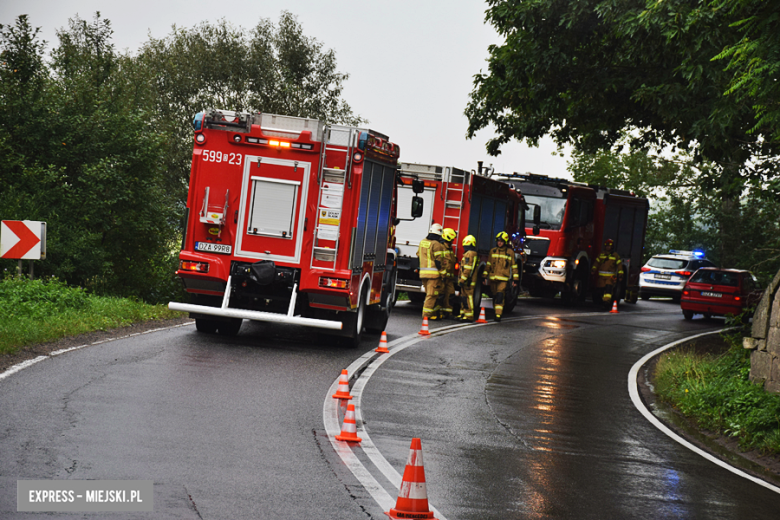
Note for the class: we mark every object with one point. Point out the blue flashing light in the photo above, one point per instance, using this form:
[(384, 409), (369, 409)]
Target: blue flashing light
[(698, 253), (197, 123), (362, 140)]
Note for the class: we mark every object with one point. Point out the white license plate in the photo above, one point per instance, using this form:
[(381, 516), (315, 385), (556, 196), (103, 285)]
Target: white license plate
[(211, 247), (712, 294), (663, 277)]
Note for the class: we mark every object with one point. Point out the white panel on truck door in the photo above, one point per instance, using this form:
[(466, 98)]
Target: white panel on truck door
[(272, 207)]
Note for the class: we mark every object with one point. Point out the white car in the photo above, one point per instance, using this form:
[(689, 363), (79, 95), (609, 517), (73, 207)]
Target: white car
[(665, 275)]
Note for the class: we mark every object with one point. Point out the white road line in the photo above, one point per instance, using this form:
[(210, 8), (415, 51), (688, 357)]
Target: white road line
[(21, 366), (369, 363), (633, 390)]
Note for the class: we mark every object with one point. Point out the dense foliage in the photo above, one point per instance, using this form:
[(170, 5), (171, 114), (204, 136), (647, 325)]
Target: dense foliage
[(98, 144), (714, 391), (599, 75), (37, 311)]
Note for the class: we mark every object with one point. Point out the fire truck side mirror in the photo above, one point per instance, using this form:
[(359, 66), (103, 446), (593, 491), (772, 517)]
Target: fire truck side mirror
[(537, 215), (535, 230), (418, 186), (417, 207)]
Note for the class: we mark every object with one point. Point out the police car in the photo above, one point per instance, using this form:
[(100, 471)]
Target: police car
[(665, 275)]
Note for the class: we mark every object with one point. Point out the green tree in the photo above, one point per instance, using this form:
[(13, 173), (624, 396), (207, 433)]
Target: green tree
[(270, 68), (93, 170), (755, 59), (585, 72)]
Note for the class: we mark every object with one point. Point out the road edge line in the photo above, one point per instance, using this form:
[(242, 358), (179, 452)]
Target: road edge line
[(633, 390), (30, 362)]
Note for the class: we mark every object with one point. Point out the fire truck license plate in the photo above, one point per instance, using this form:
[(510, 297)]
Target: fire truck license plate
[(211, 247), (712, 294)]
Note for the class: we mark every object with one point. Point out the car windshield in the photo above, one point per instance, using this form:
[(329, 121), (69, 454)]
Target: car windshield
[(716, 278), (667, 263), (552, 211)]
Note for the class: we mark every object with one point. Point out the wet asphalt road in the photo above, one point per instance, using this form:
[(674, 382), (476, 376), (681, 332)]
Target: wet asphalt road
[(530, 418)]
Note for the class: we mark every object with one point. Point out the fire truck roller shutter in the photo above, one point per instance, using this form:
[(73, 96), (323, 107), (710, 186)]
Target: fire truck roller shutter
[(383, 225), (372, 174), (360, 223)]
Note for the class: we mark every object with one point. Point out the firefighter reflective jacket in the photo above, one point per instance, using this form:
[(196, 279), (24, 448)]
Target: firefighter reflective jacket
[(430, 253), (501, 265), (448, 261), (468, 264), (608, 265)]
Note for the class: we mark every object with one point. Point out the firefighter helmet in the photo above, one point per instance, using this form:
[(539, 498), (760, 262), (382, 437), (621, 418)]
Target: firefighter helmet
[(609, 243), (435, 229), (502, 236), (469, 241), (449, 234)]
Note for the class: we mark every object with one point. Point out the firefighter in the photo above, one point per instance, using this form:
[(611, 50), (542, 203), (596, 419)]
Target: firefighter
[(430, 253), (500, 268), (608, 267), (448, 266), (468, 269)]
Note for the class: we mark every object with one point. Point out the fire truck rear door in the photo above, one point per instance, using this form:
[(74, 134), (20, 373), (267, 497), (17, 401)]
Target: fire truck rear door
[(273, 208)]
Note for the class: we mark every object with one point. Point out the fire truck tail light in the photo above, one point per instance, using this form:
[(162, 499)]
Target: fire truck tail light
[(357, 157), (200, 138), (280, 144), (333, 283), (198, 267)]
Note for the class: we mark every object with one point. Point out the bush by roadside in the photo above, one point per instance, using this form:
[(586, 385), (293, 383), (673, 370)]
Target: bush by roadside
[(39, 311), (712, 389)]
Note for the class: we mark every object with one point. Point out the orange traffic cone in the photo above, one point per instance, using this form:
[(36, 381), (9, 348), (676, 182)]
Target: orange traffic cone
[(614, 308), (424, 330), (481, 318), (382, 348), (343, 390), (413, 496), (349, 428)]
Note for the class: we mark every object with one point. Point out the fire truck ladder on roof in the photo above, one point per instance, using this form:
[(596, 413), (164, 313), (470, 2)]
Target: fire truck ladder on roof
[(332, 182), (453, 199)]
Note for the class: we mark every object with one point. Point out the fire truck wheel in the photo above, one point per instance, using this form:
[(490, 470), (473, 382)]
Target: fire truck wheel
[(229, 328), (206, 326), (354, 322), (378, 315)]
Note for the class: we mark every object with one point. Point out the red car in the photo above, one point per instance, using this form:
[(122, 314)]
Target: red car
[(719, 292)]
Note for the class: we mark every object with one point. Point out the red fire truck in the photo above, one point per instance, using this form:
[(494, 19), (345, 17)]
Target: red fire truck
[(289, 220), (574, 221), (469, 202)]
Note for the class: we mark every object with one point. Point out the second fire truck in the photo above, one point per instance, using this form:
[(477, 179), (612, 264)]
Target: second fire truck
[(469, 202), (574, 221), (289, 220)]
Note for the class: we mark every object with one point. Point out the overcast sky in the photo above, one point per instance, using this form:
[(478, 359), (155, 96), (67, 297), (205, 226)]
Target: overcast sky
[(411, 62)]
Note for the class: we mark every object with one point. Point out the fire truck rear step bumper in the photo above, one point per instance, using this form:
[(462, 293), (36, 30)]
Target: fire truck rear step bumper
[(255, 315)]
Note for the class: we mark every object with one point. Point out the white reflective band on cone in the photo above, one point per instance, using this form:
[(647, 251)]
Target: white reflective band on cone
[(413, 491)]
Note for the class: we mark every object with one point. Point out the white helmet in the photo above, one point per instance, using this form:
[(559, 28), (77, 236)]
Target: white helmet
[(436, 229)]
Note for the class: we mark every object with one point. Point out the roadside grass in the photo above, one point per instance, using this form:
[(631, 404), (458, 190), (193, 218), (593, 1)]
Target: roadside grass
[(38, 311), (713, 390)]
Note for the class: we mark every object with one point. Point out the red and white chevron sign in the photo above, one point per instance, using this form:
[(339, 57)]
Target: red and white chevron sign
[(23, 239)]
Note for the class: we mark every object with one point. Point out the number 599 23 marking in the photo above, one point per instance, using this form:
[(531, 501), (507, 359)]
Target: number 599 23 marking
[(214, 156)]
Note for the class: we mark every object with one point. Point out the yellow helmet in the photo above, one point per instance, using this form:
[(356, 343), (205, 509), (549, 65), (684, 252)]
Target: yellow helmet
[(503, 236), (469, 241), (449, 234)]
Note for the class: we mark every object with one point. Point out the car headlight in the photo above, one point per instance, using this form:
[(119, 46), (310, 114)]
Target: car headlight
[(559, 264)]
